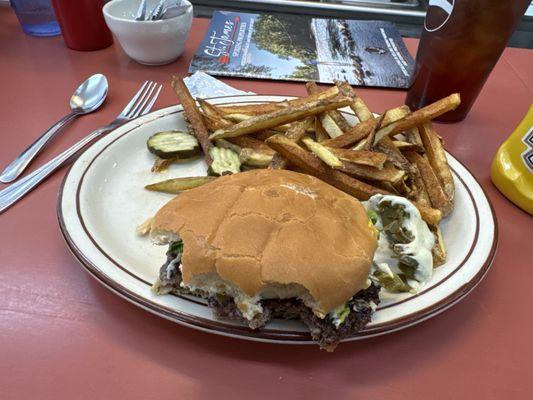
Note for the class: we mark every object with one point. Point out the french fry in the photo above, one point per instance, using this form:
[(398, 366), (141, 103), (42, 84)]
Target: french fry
[(322, 152), (436, 194), (419, 192), (209, 109), (236, 118), (327, 94), (264, 135), (393, 154), (330, 126), (386, 145), (280, 117), (439, 249), (395, 114), (214, 122), (402, 188), (340, 120), (388, 173), (332, 121), (366, 143), (320, 133), (213, 117), (178, 185), (278, 162), (211, 123), (337, 116), (251, 143), (408, 146), (298, 129), (313, 166), (357, 133), (420, 116), (363, 129), (325, 124), (437, 159), (267, 108), (361, 109), (194, 117), (295, 134), (357, 105), (256, 158), (413, 136), (432, 216), (252, 109), (387, 186), (370, 158)]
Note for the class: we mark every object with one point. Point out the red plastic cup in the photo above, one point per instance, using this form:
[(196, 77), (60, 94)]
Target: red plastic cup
[(82, 24)]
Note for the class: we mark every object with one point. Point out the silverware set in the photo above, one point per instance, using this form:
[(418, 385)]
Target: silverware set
[(87, 98), (164, 9)]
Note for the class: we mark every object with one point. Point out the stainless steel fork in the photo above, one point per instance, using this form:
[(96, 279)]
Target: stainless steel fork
[(140, 104)]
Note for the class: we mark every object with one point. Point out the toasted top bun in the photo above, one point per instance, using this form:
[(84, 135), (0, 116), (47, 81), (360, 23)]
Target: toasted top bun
[(268, 231)]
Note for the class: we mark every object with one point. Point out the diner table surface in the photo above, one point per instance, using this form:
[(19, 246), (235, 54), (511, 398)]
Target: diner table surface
[(64, 336)]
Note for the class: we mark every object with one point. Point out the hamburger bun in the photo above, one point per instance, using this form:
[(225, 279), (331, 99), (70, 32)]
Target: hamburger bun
[(270, 234)]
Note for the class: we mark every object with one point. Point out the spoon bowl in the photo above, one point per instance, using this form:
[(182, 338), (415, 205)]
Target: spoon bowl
[(90, 95)]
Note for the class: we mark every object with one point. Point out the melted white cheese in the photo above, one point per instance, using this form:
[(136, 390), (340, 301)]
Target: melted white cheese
[(249, 306), (419, 249)]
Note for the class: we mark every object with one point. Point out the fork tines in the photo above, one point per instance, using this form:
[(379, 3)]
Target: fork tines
[(143, 100)]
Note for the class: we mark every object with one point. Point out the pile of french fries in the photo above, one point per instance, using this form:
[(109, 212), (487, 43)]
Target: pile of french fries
[(396, 153)]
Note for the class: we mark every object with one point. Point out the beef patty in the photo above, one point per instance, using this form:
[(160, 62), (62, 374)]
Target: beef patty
[(322, 330)]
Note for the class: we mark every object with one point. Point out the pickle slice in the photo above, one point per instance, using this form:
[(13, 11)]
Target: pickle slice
[(392, 282), (173, 144), (225, 161)]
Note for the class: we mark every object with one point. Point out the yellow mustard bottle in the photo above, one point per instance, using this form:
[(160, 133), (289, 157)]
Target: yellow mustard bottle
[(512, 167)]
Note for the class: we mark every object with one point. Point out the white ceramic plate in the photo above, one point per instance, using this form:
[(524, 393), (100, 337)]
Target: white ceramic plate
[(102, 200)]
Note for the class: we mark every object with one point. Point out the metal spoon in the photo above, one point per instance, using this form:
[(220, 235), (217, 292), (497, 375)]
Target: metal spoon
[(87, 98)]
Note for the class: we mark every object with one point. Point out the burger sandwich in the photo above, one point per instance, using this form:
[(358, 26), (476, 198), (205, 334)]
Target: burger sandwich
[(268, 244)]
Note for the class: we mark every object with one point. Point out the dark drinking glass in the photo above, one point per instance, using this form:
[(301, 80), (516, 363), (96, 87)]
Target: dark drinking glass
[(460, 44)]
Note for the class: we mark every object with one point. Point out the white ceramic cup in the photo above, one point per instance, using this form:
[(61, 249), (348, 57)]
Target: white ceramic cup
[(147, 42)]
